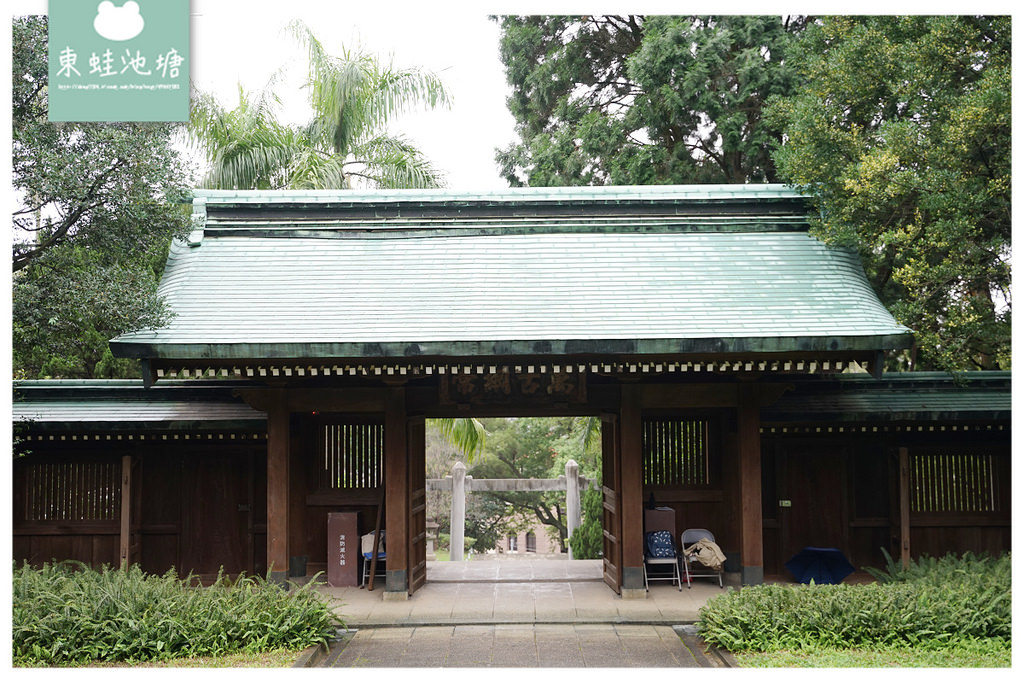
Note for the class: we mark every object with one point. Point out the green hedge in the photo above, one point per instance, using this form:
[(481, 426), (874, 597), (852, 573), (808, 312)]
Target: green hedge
[(67, 613), (935, 603)]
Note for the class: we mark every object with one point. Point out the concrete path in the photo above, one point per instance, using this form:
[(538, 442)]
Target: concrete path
[(522, 646), (575, 602), (521, 613)]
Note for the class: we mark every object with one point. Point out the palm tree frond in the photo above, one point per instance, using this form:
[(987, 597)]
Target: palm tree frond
[(589, 428), (312, 170), (393, 162), (465, 433), (352, 97), (396, 92)]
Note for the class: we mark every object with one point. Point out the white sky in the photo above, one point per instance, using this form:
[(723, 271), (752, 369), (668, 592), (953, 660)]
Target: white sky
[(244, 41)]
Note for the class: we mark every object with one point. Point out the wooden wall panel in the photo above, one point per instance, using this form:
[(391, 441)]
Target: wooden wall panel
[(854, 499)]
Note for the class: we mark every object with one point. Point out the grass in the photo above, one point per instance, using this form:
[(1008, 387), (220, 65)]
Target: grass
[(960, 656), (68, 614), (947, 612)]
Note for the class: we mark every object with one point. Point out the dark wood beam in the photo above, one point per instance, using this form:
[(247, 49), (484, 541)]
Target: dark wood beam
[(126, 508), (344, 400), (904, 507), (751, 532), (631, 493), (691, 396), (302, 442), (396, 493), (278, 484)]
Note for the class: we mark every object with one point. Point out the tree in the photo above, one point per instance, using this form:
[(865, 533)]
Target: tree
[(96, 206), (902, 135), (522, 448), (588, 539), (353, 98), (486, 519), (71, 302), (643, 100)]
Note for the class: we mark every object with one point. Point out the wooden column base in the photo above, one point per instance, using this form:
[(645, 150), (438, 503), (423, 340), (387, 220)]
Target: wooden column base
[(634, 594), (752, 576)]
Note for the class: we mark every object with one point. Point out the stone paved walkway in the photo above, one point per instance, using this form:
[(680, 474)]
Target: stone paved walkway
[(521, 646), (526, 613)]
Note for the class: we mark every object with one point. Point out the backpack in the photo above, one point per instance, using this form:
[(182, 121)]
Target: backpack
[(659, 544)]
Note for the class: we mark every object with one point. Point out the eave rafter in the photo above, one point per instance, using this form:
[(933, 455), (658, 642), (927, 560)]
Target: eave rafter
[(383, 370), (908, 428)]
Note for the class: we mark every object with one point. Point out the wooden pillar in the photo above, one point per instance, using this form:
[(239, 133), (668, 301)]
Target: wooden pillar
[(297, 551), (126, 509), (278, 484), (631, 495), (904, 507), (396, 494), (751, 525)]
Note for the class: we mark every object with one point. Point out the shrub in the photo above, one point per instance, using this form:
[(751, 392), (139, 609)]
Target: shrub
[(934, 604), (587, 540), (67, 613)]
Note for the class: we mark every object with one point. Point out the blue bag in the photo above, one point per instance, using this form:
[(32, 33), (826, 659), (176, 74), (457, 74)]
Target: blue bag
[(659, 544)]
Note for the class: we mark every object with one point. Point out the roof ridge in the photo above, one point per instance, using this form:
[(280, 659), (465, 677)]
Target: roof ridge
[(589, 193)]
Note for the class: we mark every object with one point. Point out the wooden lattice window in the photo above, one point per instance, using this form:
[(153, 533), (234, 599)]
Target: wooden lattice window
[(351, 455), (953, 482), (677, 452), (86, 491)]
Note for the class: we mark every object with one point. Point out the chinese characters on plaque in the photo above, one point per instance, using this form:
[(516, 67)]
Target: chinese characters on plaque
[(505, 385)]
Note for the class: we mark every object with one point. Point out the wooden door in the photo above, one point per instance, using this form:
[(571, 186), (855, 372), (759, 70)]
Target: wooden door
[(216, 519), (417, 503), (611, 477), (812, 500)]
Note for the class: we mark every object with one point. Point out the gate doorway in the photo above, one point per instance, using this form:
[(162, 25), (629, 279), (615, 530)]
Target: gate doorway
[(643, 451), (510, 491)]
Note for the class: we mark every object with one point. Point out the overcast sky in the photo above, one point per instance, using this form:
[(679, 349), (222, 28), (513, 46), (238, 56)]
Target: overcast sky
[(244, 41)]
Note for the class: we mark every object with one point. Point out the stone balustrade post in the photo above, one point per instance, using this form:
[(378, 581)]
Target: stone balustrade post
[(572, 499), (458, 521)]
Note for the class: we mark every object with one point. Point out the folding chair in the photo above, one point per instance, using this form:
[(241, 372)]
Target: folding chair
[(660, 545), (692, 566), (661, 550)]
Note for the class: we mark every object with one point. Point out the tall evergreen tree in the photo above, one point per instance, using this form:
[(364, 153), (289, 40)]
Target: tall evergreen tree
[(643, 100), (902, 134)]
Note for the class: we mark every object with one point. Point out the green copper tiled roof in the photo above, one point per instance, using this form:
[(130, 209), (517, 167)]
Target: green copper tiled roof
[(126, 405), (910, 397), (639, 270)]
